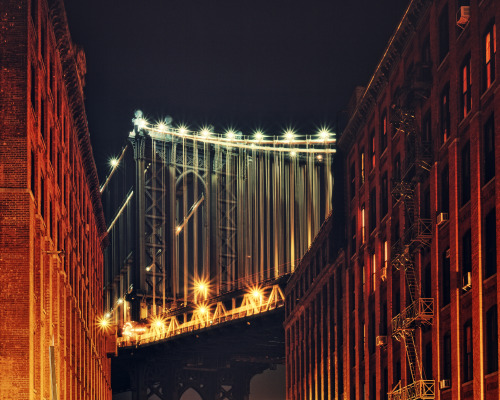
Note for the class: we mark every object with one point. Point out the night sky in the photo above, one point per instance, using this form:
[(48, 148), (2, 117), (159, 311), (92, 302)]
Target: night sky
[(268, 64)]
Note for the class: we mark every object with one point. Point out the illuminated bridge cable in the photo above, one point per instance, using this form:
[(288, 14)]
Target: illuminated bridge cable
[(194, 207), (115, 164), (122, 208)]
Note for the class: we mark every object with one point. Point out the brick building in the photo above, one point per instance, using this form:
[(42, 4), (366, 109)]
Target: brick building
[(410, 306), (51, 221)]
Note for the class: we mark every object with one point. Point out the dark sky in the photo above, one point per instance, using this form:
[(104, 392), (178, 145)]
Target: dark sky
[(245, 64)]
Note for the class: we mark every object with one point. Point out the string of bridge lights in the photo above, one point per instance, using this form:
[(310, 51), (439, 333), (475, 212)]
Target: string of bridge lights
[(290, 142)]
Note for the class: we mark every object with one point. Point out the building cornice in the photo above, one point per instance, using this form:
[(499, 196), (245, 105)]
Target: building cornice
[(73, 69), (392, 54)]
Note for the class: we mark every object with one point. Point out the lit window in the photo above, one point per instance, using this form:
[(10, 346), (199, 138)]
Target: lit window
[(466, 99), (467, 367), (372, 149), (374, 270), (363, 224), (386, 253), (383, 132), (490, 49)]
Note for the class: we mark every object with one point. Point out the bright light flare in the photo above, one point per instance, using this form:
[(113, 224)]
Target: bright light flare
[(293, 154), (319, 157), (203, 309), (324, 134), (119, 301), (183, 130), (141, 123), (258, 136), (201, 288), (205, 132), (230, 134), (289, 135), (113, 162), (104, 322), (158, 323), (161, 126)]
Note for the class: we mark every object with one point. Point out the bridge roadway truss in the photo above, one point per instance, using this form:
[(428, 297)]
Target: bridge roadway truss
[(198, 225)]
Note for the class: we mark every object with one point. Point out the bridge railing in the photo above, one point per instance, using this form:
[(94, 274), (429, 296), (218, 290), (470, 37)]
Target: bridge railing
[(203, 315)]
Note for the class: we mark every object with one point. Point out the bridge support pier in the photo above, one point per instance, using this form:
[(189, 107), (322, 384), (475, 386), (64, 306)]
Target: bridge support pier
[(163, 380)]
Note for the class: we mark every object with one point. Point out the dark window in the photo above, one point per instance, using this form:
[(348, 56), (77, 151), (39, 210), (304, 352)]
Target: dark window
[(445, 114), (33, 88), (383, 132), (383, 319), (491, 340), (467, 367), (42, 42), (466, 253), (447, 356), (50, 144), (465, 95), (397, 168), (490, 49), (353, 236), (427, 289), (490, 245), (396, 300), (489, 150), (445, 286), (445, 190), (428, 359), (42, 197), (384, 196), (465, 173), (397, 372), (42, 118), (427, 135), (362, 166), (426, 204), (33, 174), (372, 149), (373, 209), (444, 33), (426, 52), (353, 180), (385, 384), (33, 10)]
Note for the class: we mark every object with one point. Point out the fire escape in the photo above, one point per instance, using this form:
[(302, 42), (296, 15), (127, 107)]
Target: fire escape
[(417, 235)]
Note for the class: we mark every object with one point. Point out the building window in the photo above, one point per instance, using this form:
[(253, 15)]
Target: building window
[(42, 118), (427, 134), (428, 359), (465, 173), (489, 150), (445, 190), (427, 287), (447, 356), (397, 168), (385, 250), (445, 114), (426, 204), (491, 340), (384, 196), (374, 270), (373, 209), (490, 244), (33, 88), (383, 319), (465, 95), (372, 149), (33, 173), (42, 197), (353, 236), (353, 180), (490, 49), (362, 167), (363, 224), (383, 132), (33, 11), (468, 351), (466, 253), (445, 284), (444, 33)]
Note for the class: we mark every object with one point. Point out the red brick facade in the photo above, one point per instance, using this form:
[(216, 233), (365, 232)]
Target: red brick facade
[(439, 78), (51, 221)]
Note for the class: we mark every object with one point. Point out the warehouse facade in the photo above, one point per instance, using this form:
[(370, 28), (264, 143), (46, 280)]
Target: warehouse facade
[(409, 307), (51, 222)]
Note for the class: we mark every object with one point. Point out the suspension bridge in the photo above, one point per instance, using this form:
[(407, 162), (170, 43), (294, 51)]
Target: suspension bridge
[(204, 230)]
